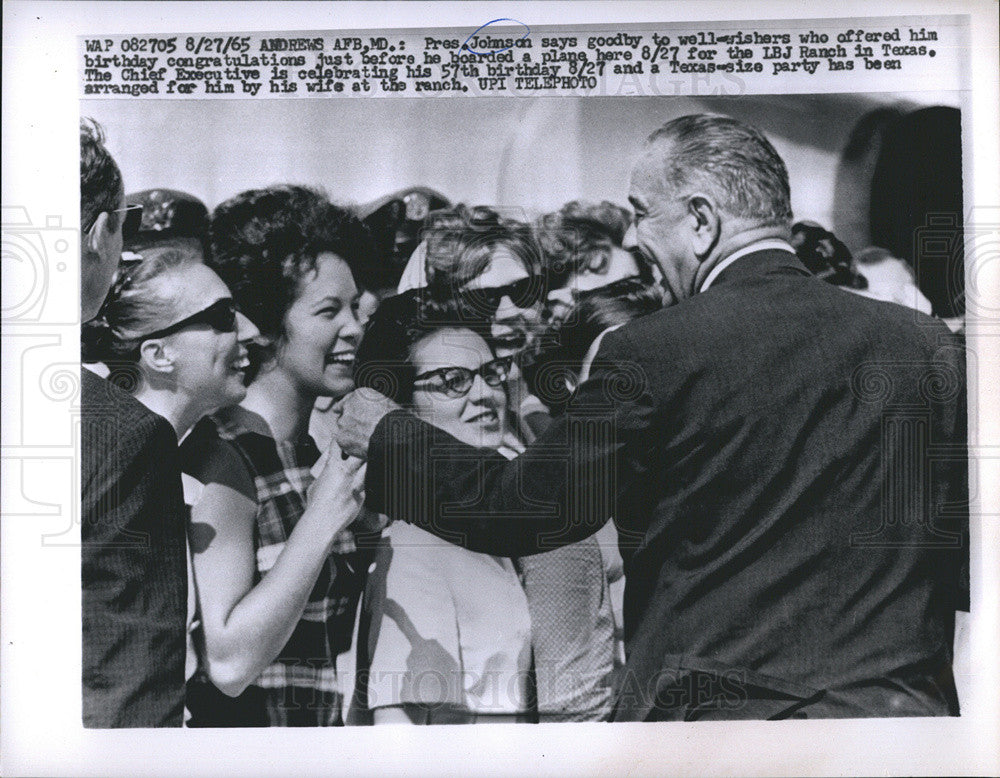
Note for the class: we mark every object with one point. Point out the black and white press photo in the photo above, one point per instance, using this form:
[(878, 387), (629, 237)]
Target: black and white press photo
[(579, 377)]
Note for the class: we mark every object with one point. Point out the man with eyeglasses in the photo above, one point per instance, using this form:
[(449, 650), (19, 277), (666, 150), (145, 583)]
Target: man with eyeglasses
[(794, 547), (134, 575)]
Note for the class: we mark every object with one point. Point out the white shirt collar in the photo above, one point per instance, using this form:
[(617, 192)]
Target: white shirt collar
[(760, 245)]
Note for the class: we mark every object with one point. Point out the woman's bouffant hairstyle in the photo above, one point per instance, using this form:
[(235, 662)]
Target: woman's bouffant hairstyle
[(265, 243), (461, 241), (383, 361), (137, 303), (579, 237)]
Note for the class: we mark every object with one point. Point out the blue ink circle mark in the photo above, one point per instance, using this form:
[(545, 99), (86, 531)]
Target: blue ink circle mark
[(465, 45)]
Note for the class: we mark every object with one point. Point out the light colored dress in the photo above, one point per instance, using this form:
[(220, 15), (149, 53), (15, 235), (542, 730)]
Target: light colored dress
[(449, 627)]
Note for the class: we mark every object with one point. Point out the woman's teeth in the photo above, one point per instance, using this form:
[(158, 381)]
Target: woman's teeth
[(489, 415), (340, 358)]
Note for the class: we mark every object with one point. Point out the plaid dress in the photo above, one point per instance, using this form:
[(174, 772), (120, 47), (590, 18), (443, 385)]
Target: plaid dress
[(300, 688)]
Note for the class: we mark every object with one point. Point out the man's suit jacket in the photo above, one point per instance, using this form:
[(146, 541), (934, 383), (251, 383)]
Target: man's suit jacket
[(786, 465), (134, 573)]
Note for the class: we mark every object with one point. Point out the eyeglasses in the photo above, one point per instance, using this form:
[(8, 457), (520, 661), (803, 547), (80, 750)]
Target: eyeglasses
[(220, 316), (526, 293), (128, 210), (456, 381)]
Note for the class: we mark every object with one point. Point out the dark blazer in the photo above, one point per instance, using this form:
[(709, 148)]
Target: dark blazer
[(134, 572), (786, 465)]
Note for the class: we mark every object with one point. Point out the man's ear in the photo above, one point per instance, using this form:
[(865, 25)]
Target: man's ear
[(706, 226), (156, 356), (98, 240)]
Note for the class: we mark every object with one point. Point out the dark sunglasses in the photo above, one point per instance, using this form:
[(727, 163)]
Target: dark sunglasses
[(220, 316), (616, 288), (456, 382), (526, 293)]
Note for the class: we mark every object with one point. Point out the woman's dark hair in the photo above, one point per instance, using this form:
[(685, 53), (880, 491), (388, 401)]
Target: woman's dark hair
[(265, 243), (383, 360), (137, 304), (580, 236), (461, 241), (595, 311)]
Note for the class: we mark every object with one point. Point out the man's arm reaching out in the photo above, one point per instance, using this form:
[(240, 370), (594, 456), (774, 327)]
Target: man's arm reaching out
[(561, 489)]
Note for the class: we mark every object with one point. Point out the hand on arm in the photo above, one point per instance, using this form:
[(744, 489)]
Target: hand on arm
[(246, 625), (357, 416), (561, 489)]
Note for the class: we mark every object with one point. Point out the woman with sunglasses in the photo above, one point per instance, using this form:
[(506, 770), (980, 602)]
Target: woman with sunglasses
[(450, 632), (581, 247), (169, 333), (278, 571), (492, 261)]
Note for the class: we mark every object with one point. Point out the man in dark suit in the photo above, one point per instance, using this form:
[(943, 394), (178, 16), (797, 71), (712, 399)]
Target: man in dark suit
[(134, 577), (785, 463)]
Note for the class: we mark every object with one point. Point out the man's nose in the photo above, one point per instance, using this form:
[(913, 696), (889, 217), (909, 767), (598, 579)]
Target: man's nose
[(630, 241), (246, 330), (506, 309)]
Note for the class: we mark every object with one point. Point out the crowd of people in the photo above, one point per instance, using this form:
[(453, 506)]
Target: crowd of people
[(539, 474)]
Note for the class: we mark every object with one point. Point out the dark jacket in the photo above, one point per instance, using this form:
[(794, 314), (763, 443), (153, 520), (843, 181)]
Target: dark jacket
[(134, 573), (786, 466)]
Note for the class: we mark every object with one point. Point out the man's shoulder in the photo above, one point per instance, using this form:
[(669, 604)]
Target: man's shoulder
[(886, 324), (746, 309), (781, 320), (658, 329), (99, 395), (103, 399)]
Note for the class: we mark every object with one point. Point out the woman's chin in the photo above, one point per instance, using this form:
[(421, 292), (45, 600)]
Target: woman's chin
[(485, 438), (337, 387), (234, 394)]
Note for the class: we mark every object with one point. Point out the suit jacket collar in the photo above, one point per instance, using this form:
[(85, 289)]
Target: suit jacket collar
[(764, 262)]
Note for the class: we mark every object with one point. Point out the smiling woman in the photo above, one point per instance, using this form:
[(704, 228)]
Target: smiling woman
[(277, 569), (494, 263), (169, 332), (450, 635)]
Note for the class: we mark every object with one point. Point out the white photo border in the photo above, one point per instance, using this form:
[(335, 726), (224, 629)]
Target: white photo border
[(39, 660)]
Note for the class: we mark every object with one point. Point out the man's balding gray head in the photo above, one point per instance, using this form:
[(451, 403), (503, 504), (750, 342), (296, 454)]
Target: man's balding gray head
[(729, 160)]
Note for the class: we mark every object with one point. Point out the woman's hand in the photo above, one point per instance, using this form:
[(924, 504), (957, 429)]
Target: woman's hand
[(247, 621), (339, 489)]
